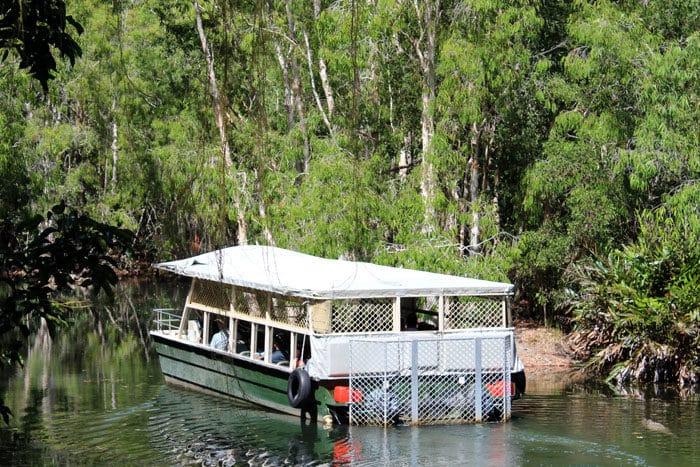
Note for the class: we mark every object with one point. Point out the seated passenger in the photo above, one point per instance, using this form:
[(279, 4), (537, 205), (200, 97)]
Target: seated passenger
[(220, 340), (411, 322), (277, 354)]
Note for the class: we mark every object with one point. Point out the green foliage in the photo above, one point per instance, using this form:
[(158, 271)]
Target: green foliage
[(672, 20), (336, 212), (539, 268), (664, 150), (33, 29), (42, 260), (552, 123), (638, 312)]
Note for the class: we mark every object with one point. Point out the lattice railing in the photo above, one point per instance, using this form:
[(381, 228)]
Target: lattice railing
[(251, 302), (288, 311), (211, 294), (431, 381), (473, 312), (368, 315)]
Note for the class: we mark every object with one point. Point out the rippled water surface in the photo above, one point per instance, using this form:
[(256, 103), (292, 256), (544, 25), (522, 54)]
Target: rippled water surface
[(95, 395)]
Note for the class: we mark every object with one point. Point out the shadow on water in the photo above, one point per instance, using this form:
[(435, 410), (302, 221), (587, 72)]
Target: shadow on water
[(95, 395)]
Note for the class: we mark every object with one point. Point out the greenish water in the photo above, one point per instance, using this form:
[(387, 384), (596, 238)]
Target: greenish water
[(95, 395)]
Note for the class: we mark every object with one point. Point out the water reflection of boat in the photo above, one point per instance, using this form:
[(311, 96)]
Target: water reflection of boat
[(197, 429), (345, 340)]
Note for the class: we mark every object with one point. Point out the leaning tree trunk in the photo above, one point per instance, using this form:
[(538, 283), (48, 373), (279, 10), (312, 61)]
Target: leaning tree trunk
[(424, 47), (474, 246), (220, 117), (317, 98), (296, 91), (216, 97)]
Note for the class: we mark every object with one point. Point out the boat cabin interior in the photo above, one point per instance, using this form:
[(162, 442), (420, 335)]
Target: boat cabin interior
[(277, 329)]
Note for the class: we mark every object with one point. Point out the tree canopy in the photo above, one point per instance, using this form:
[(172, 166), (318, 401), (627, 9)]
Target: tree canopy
[(501, 139)]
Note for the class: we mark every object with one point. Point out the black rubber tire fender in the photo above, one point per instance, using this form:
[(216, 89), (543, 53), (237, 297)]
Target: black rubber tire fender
[(298, 388)]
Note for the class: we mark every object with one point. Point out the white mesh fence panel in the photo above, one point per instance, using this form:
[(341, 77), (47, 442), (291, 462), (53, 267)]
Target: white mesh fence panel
[(288, 311), (474, 312), (443, 380), (366, 315)]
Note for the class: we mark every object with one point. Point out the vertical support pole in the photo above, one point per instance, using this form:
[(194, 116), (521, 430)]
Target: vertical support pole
[(441, 312), (186, 310), (507, 352), (509, 316), (233, 335), (414, 382), (205, 332), (293, 350), (504, 308), (385, 386), (268, 343), (396, 313), (232, 323), (268, 307), (351, 382), (478, 409), (253, 338)]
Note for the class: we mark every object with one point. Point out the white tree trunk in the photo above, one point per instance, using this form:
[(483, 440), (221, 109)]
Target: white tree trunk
[(405, 156), (317, 98), (221, 124), (327, 90), (115, 154), (474, 246), (425, 51), (216, 97)]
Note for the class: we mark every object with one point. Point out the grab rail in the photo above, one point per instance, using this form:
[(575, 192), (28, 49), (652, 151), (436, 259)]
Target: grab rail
[(166, 320)]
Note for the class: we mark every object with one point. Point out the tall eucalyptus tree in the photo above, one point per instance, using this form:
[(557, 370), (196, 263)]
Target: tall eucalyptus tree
[(487, 72)]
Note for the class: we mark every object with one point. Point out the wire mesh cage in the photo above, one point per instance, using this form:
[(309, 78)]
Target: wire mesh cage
[(366, 315), (474, 312), (289, 311), (460, 379), (211, 294), (250, 302)]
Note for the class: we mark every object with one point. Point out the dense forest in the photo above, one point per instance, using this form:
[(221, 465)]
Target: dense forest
[(554, 144)]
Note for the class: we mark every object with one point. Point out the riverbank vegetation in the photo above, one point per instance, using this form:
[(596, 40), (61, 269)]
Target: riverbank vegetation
[(554, 144)]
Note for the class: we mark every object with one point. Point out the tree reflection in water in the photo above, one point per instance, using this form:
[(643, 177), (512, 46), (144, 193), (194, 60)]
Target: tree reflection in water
[(95, 395)]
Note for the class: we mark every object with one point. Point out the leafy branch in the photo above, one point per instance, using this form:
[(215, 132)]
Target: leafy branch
[(42, 261)]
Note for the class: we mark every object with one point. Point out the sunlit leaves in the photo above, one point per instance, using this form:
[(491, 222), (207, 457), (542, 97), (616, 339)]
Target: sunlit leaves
[(663, 153)]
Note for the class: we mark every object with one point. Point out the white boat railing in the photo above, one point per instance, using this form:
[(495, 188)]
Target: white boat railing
[(167, 320), (461, 378)]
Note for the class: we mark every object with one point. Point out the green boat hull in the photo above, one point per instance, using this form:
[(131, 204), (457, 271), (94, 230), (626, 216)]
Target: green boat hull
[(228, 375)]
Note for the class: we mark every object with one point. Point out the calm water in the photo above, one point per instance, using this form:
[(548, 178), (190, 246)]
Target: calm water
[(95, 395)]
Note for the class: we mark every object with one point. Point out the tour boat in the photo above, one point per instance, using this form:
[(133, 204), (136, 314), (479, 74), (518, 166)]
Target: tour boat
[(341, 341)]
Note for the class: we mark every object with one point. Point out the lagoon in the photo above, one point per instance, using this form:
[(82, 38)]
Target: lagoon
[(94, 395)]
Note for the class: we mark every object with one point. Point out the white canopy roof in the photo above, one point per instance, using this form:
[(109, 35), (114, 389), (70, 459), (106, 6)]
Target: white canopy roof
[(290, 273)]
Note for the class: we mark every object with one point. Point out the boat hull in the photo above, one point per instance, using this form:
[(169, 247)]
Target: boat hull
[(207, 370), (223, 374)]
